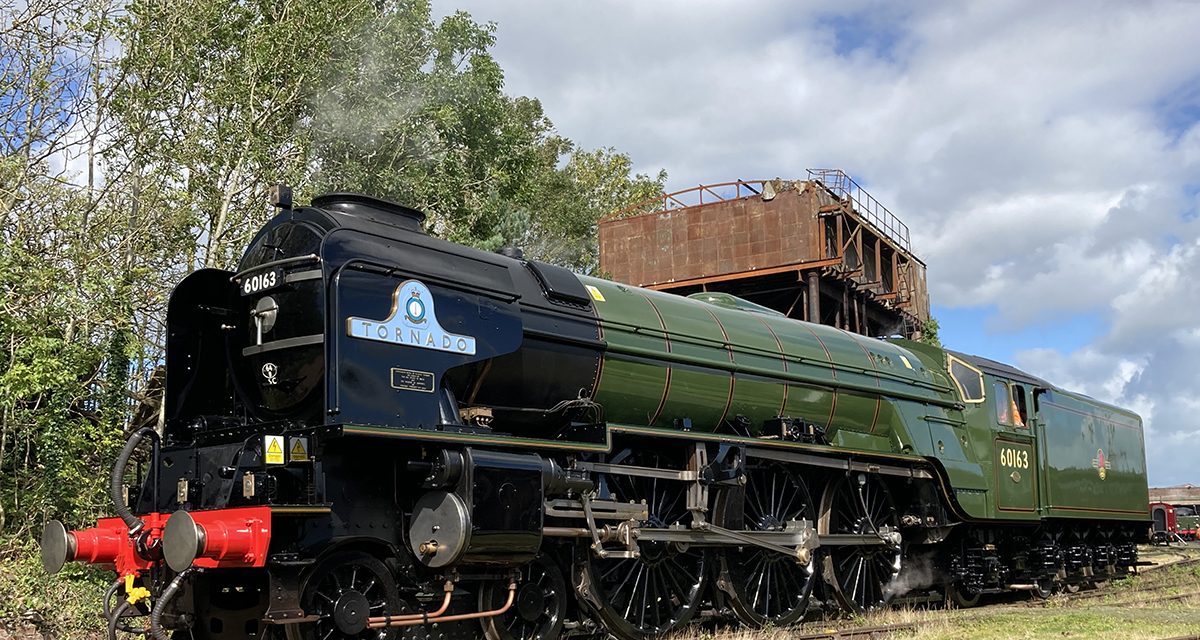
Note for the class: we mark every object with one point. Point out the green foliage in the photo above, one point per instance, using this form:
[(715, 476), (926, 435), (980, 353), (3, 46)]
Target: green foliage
[(591, 186), (140, 138), (929, 333), (66, 604), (414, 111), (54, 289), (212, 108)]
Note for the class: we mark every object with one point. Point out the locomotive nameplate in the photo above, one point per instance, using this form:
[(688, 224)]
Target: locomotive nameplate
[(412, 322), (410, 380)]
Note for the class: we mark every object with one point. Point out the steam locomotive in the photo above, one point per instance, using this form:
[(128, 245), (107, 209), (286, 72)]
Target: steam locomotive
[(374, 433)]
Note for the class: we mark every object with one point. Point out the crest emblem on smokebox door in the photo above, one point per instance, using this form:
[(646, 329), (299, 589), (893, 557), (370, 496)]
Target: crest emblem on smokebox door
[(1100, 464)]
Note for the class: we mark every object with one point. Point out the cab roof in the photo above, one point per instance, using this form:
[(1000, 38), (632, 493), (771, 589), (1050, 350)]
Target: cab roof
[(1000, 369)]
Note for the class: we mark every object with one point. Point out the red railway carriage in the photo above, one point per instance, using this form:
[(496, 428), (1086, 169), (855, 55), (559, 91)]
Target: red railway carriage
[(1173, 522)]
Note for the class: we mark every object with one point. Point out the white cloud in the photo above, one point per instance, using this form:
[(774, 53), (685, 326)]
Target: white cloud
[(1025, 143)]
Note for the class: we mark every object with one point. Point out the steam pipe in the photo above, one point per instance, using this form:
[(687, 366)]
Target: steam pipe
[(512, 593), (386, 620)]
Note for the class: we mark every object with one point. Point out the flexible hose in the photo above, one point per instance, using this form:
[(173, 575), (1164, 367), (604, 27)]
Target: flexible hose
[(134, 523), (160, 605), (113, 621), (108, 598)]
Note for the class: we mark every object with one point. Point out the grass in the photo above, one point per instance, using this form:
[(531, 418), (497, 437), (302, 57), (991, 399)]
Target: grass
[(1144, 607), (66, 605)]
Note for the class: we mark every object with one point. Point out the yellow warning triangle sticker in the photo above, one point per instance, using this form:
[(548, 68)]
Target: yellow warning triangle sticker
[(274, 453), (298, 453)]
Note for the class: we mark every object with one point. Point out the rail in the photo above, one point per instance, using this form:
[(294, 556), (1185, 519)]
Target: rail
[(843, 187), (693, 197), (860, 633)]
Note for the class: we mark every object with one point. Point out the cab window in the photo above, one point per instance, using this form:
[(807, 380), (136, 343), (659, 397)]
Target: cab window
[(1020, 412), (1003, 404), (968, 379), (1010, 404)]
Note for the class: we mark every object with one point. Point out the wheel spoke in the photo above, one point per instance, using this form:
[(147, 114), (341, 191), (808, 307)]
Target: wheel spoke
[(662, 593), (660, 589), (636, 582), (766, 588), (673, 514), (862, 574)]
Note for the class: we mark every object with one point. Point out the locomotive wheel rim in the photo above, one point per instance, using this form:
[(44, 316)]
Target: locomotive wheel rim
[(540, 608), (660, 591), (962, 598), (1044, 588), (859, 576), (347, 577), (739, 565)]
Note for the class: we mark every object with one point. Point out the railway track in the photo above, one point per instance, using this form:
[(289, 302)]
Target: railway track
[(1148, 583), (1187, 561), (859, 633)]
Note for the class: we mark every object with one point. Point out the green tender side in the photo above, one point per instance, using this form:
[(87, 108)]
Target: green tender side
[(1095, 465)]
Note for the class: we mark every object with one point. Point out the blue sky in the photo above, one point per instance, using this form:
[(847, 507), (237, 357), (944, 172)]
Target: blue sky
[(971, 329), (1045, 155)]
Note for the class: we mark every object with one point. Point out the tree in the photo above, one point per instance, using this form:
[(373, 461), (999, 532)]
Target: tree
[(139, 139), (56, 264), (414, 111), (929, 333), (211, 107), (591, 186)]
